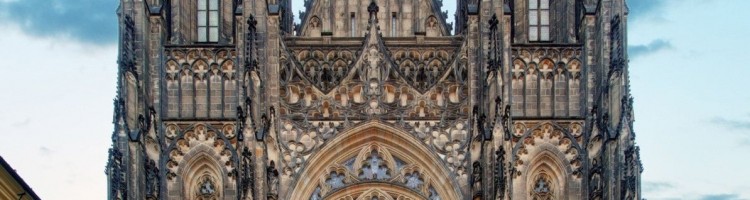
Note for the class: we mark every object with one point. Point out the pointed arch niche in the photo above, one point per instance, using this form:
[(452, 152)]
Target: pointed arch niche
[(546, 178), (374, 160), (547, 163), (204, 178)]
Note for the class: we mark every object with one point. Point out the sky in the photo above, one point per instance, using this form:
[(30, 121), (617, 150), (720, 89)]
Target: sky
[(688, 74)]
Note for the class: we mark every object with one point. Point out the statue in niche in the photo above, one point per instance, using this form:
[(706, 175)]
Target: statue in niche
[(248, 174), (541, 186), (431, 27), (206, 189), (595, 182), (152, 180), (273, 180), (314, 22), (500, 172), (541, 190), (431, 22), (477, 178), (373, 59)]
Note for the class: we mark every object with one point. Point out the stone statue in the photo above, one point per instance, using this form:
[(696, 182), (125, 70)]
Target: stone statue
[(373, 60), (273, 180), (476, 174), (207, 187), (500, 173), (248, 176), (541, 186), (152, 179)]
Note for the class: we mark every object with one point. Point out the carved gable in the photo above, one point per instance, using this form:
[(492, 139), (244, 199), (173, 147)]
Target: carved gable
[(396, 18)]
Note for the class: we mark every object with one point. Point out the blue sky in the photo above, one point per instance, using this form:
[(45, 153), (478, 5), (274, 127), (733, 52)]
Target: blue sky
[(689, 77)]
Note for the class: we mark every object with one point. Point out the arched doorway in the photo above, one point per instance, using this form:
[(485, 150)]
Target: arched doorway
[(375, 161)]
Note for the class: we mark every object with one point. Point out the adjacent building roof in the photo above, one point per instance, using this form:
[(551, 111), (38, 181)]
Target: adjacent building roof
[(10, 180)]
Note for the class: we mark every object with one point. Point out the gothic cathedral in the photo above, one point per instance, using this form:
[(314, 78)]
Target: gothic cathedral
[(373, 99)]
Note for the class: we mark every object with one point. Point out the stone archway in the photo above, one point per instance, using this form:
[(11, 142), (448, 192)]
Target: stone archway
[(375, 159)]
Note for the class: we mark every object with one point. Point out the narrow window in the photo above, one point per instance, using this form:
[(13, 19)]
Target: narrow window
[(539, 20), (353, 25), (393, 24), (208, 20)]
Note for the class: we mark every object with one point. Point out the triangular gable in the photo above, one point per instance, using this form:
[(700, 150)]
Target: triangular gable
[(334, 17)]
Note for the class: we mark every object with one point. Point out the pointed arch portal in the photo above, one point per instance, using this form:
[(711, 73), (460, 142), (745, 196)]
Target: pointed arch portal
[(375, 159)]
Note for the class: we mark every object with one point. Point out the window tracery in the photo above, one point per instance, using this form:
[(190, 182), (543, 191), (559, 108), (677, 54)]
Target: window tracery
[(336, 180), (380, 170), (374, 168), (413, 180)]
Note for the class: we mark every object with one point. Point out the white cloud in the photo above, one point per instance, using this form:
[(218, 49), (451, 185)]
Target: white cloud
[(57, 110)]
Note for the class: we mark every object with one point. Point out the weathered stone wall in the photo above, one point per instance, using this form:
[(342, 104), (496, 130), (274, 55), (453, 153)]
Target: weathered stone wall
[(484, 114)]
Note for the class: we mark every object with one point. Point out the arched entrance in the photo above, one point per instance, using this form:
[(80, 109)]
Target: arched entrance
[(375, 161)]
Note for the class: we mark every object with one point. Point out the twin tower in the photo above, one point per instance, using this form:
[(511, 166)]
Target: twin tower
[(373, 99)]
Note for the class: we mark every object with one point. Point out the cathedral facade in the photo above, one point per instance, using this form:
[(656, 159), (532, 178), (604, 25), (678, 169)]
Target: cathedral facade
[(373, 99)]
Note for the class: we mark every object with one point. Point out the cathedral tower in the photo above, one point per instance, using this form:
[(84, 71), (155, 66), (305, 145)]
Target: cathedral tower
[(373, 99)]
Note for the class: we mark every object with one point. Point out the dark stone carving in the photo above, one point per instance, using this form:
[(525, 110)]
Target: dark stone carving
[(424, 68), (324, 68), (250, 62), (119, 117), (595, 180), (248, 174), (507, 122), (127, 48), (500, 173), (617, 55), (240, 123), (372, 8), (629, 181), (272, 176), (265, 125), (207, 188), (118, 187), (476, 175), (152, 179), (494, 59)]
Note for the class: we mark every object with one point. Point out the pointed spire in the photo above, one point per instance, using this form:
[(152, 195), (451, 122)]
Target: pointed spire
[(373, 26)]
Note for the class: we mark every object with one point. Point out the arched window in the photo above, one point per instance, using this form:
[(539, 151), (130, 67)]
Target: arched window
[(539, 20), (208, 20)]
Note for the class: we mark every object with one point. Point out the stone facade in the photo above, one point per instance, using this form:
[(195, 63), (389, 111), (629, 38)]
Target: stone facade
[(373, 99)]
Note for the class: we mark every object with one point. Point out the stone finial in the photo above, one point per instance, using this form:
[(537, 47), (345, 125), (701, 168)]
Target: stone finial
[(372, 8)]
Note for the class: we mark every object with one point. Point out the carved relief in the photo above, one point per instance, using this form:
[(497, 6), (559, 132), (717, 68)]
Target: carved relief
[(373, 87), (546, 81), (152, 179), (410, 96), (542, 188), (206, 189), (192, 140), (431, 27), (200, 83), (548, 138), (423, 68), (374, 163), (272, 174), (325, 68)]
